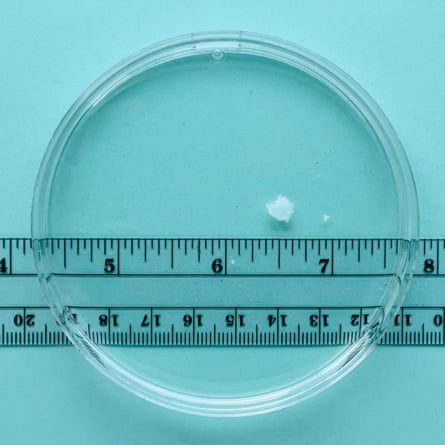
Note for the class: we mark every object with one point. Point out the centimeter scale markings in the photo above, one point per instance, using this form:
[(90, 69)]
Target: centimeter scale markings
[(227, 259)]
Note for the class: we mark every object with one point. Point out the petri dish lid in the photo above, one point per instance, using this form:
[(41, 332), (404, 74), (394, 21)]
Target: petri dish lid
[(187, 215)]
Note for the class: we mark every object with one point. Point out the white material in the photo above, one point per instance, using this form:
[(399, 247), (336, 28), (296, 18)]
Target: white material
[(281, 209)]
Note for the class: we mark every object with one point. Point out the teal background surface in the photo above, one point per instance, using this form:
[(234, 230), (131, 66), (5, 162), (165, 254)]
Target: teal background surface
[(50, 51)]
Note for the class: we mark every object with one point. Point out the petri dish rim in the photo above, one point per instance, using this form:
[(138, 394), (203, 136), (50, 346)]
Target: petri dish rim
[(218, 44)]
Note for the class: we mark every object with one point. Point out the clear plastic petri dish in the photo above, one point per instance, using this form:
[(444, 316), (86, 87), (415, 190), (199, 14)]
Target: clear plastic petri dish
[(189, 210)]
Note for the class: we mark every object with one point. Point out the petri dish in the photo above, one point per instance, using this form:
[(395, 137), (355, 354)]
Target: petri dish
[(204, 151)]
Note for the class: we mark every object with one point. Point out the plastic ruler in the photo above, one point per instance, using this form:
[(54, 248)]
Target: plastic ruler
[(31, 324)]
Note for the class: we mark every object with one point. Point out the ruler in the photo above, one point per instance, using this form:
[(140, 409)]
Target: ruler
[(32, 324)]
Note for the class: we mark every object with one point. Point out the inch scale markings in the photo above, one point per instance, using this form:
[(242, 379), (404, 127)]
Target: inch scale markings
[(225, 258), (262, 257), (207, 257)]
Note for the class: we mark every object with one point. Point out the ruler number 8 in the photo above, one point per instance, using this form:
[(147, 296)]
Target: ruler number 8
[(428, 265)]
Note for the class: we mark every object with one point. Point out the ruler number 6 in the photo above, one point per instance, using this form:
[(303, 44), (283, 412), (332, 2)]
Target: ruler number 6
[(324, 264), (217, 265)]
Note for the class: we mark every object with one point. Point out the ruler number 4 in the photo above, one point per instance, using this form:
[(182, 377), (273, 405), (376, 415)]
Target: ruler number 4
[(3, 266)]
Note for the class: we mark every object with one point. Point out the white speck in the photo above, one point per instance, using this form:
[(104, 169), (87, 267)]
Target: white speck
[(281, 209), (232, 262), (217, 54), (326, 218)]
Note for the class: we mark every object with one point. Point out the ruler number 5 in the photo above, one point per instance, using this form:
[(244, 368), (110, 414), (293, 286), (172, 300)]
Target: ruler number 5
[(324, 264), (109, 265)]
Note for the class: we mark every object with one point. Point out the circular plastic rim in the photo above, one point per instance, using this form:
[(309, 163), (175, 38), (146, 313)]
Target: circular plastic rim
[(343, 86)]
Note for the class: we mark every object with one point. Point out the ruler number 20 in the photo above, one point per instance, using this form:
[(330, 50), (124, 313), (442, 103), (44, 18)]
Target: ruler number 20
[(28, 320)]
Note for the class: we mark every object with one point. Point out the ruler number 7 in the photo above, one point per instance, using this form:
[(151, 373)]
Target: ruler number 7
[(324, 264)]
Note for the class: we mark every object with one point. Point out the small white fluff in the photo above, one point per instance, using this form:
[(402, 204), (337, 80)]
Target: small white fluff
[(281, 209), (326, 218)]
